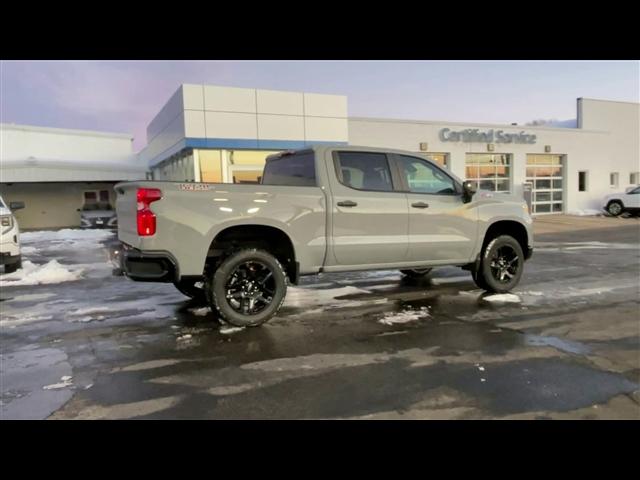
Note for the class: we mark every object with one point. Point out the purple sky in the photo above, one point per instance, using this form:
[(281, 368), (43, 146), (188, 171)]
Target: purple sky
[(125, 96)]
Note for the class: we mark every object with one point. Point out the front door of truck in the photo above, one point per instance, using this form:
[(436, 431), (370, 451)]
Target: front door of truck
[(370, 220), (441, 227)]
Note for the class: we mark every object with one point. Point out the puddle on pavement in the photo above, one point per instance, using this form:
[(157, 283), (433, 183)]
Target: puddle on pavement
[(568, 346)]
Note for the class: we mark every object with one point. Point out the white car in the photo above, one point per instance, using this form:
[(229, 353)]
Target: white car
[(618, 203), (10, 255)]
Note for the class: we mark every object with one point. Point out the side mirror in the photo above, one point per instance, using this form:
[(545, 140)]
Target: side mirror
[(468, 190), (16, 205)]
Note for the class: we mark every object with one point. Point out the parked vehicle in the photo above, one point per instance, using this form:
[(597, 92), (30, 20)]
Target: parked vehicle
[(98, 215), (619, 203), (10, 255), (322, 209)]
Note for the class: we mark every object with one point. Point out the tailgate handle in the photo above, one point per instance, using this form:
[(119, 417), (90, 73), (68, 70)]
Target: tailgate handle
[(347, 203), (420, 205)]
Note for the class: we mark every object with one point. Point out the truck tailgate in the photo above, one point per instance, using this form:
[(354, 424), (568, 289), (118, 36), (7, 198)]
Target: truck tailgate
[(126, 206)]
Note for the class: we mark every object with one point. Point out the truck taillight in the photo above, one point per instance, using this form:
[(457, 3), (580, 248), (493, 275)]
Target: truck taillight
[(145, 217)]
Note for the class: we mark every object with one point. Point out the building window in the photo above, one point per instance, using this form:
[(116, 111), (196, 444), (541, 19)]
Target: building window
[(613, 179), (582, 181), (634, 178), (96, 200), (489, 171)]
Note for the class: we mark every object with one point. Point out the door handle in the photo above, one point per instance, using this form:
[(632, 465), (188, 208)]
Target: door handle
[(347, 203), (420, 205)]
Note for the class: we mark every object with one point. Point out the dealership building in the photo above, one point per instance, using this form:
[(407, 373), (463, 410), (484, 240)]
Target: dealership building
[(208, 133)]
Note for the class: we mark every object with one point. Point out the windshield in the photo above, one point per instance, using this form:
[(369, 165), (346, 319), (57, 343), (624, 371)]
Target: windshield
[(2, 205)]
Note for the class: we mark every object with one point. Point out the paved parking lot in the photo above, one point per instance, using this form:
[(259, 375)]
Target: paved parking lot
[(366, 345)]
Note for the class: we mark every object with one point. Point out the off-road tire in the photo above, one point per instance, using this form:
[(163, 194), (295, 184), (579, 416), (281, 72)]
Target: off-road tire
[(417, 272), (485, 277), (225, 269)]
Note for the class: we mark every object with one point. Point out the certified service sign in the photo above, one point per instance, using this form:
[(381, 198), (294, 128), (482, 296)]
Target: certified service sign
[(489, 136)]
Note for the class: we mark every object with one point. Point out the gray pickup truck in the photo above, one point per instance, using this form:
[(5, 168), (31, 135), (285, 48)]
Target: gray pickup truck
[(321, 209)]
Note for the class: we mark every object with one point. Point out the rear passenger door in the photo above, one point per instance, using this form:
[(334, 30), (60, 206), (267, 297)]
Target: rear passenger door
[(370, 219), (442, 228)]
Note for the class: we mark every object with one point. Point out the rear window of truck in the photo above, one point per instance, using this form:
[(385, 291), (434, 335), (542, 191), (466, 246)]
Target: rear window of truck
[(294, 170)]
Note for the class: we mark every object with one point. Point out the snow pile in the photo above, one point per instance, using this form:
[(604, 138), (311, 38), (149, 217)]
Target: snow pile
[(403, 317), (32, 274), (587, 212), (502, 298)]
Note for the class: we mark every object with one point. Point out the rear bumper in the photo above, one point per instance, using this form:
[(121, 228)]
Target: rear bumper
[(148, 266)]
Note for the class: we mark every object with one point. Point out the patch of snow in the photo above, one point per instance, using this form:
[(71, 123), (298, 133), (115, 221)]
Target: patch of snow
[(586, 212), (185, 337), (502, 298), (13, 320), (483, 379), (90, 310), (28, 250), (32, 274), (66, 234), (64, 382), (402, 317), (200, 312), (31, 297), (230, 330)]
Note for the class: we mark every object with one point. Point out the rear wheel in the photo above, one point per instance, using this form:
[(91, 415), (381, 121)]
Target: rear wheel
[(501, 265), (416, 272), (615, 208), (248, 287)]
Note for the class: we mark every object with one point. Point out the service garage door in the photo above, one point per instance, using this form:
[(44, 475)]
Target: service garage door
[(545, 172)]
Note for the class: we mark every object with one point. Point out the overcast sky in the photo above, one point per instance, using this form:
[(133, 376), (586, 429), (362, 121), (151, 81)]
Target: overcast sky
[(125, 96)]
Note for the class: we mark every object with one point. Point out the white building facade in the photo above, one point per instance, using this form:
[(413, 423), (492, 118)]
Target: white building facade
[(57, 171), (208, 133)]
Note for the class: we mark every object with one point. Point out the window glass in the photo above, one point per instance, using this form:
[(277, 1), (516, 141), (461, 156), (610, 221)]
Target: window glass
[(425, 178), (441, 159), (297, 170), (634, 178), (365, 171), (582, 181), (613, 179), (489, 170), (210, 166)]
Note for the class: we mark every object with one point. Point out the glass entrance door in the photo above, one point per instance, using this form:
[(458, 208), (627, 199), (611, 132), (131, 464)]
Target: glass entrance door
[(545, 172)]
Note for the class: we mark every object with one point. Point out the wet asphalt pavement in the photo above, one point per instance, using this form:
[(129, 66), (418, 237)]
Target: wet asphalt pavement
[(359, 345)]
